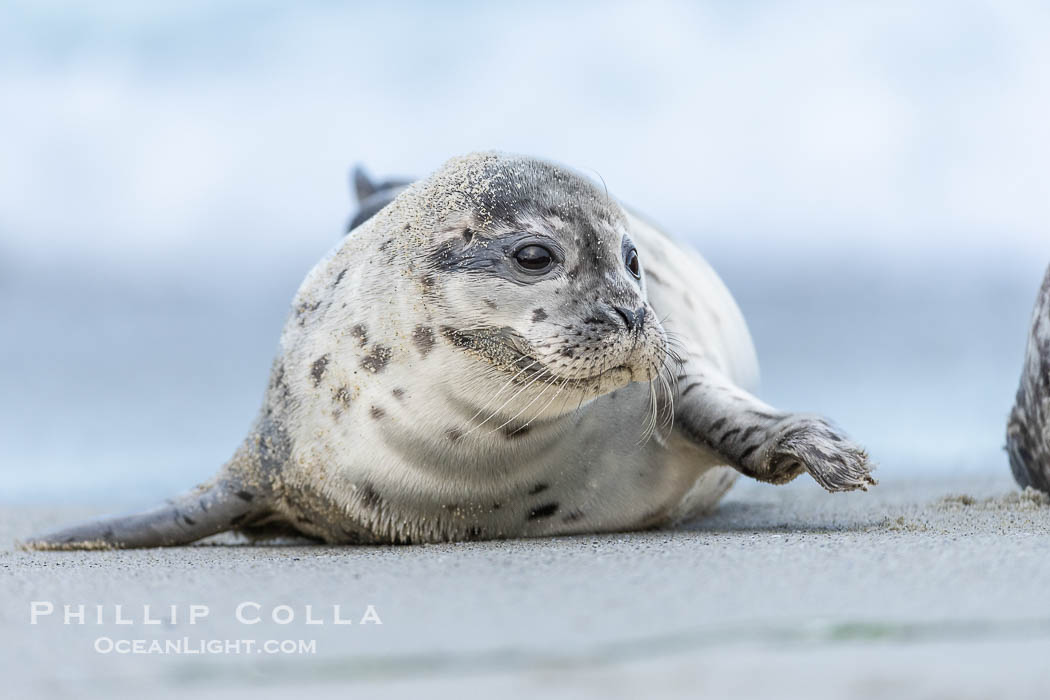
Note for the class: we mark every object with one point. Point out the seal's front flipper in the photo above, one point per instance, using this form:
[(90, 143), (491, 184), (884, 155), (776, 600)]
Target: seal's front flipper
[(763, 443), (206, 510)]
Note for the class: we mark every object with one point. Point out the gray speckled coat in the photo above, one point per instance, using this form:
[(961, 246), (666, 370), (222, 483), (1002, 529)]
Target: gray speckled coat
[(431, 386), (1028, 430)]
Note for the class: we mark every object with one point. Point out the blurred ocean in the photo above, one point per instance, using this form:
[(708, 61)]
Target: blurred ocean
[(869, 179), (121, 391)]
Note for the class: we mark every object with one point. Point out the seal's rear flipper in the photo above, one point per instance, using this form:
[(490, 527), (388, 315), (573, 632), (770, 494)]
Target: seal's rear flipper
[(372, 195), (211, 508)]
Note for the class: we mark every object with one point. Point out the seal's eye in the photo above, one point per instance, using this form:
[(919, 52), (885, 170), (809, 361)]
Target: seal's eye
[(632, 263), (534, 258)]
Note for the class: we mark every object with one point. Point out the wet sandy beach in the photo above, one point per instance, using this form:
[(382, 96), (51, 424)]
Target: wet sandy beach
[(917, 588)]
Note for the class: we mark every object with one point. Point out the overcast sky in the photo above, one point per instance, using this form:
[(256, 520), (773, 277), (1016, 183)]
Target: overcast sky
[(145, 133)]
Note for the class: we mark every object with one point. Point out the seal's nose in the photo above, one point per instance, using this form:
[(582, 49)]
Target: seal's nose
[(632, 319)]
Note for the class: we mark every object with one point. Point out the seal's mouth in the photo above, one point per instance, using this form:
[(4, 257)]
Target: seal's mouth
[(544, 381), (509, 351)]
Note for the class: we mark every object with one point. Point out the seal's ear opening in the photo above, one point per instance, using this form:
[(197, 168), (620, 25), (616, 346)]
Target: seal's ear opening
[(209, 509), (363, 185)]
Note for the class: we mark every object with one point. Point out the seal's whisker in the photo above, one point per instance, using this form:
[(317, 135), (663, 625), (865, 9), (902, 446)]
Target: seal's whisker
[(502, 389), (649, 402), (546, 386), (669, 404), (644, 435), (576, 386), (579, 386), (505, 403), (545, 406), (653, 404)]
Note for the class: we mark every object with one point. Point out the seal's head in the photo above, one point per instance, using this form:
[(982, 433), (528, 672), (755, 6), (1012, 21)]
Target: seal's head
[(532, 270)]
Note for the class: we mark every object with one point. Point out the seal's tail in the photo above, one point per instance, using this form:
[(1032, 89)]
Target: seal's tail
[(1028, 430), (206, 510)]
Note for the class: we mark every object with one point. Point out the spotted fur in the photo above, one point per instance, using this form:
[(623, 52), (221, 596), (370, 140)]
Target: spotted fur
[(1028, 429), (428, 388)]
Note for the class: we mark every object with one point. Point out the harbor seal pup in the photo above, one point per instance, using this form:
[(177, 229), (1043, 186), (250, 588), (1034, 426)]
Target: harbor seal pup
[(1028, 429), (503, 350)]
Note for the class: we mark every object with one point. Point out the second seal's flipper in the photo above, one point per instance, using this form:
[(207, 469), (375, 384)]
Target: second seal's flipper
[(371, 195), (1028, 430), (214, 507)]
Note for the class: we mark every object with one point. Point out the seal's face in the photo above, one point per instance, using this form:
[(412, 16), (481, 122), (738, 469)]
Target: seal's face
[(541, 281)]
